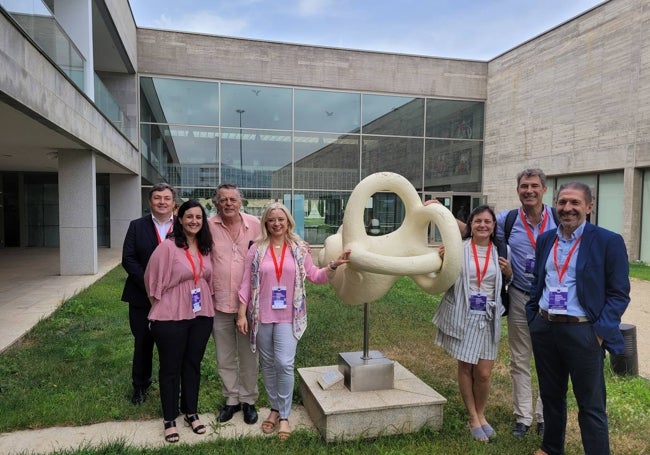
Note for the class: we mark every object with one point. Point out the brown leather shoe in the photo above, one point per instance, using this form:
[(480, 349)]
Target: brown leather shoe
[(539, 452)]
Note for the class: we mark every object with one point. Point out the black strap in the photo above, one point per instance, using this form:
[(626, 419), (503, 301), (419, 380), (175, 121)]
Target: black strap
[(510, 221), (511, 217)]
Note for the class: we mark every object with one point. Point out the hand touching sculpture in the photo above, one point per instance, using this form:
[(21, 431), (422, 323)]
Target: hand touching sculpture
[(377, 262)]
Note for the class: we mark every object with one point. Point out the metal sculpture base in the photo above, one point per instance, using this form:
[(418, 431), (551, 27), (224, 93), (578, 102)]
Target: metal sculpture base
[(363, 372)]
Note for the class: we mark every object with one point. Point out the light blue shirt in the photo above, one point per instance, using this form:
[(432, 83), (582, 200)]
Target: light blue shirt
[(569, 280), (521, 249)]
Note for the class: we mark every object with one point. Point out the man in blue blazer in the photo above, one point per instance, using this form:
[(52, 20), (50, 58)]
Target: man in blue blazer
[(580, 290), (142, 237)]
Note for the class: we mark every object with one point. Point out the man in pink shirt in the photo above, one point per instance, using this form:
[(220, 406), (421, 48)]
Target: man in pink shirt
[(232, 233)]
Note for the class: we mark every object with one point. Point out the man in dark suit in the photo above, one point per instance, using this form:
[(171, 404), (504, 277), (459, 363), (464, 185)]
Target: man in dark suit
[(142, 237), (580, 290)]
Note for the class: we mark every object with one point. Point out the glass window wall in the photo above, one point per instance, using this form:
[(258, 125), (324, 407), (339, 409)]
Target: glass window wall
[(307, 148)]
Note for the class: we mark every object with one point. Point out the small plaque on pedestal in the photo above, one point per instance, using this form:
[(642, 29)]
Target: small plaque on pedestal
[(361, 375), (332, 377)]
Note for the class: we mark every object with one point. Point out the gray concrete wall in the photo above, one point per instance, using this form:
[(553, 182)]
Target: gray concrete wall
[(242, 60), (31, 79), (574, 100), (122, 16)]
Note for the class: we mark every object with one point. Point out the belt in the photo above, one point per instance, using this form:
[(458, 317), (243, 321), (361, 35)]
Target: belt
[(562, 317)]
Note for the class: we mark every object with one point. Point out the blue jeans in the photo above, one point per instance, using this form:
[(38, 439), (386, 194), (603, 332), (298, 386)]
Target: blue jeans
[(277, 348)]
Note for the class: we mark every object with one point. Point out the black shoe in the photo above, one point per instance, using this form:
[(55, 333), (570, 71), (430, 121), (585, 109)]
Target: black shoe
[(227, 412), (250, 414), (139, 396), (540, 429), (520, 430)]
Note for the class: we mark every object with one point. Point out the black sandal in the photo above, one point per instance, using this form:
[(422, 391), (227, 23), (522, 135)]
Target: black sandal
[(171, 437), (190, 419)]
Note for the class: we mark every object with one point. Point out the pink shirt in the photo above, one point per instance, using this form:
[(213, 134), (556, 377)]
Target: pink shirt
[(228, 257), (169, 280), (268, 280)]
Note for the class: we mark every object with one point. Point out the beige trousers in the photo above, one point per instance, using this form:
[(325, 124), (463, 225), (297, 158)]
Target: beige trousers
[(237, 365), (521, 352)]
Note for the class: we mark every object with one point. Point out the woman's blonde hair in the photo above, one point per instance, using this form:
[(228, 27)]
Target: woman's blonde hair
[(291, 223)]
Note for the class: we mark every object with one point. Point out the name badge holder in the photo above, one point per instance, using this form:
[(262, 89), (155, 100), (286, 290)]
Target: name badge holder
[(279, 293), (558, 300), (478, 300), (478, 303), (195, 293), (529, 265), (279, 297), (558, 297), (196, 299)]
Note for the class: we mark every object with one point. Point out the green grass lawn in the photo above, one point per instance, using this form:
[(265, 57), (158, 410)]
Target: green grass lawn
[(74, 369)]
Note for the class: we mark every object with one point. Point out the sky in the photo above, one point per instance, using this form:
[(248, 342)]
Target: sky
[(463, 29)]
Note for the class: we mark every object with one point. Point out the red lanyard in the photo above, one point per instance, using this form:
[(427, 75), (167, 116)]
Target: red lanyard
[(480, 275), (189, 258), (565, 266), (158, 233), (278, 267), (528, 231)]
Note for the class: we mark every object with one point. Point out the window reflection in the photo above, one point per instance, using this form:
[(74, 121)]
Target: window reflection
[(393, 154), (307, 148), (453, 165), (180, 101), (397, 115), (455, 119), (325, 161), (256, 106), (328, 112), (252, 159)]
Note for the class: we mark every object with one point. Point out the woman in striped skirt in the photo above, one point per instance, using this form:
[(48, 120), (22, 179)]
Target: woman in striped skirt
[(469, 316)]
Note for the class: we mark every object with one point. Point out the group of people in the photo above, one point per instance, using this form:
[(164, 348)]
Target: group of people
[(243, 281), (568, 286), (232, 276)]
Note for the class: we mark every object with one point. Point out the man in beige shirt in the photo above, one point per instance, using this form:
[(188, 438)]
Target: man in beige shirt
[(232, 233)]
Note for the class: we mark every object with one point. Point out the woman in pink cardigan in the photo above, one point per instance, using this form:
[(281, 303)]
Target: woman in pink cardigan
[(272, 306), (178, 279)]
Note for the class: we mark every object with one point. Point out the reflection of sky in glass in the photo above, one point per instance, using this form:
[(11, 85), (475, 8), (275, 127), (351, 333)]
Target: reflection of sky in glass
[(333, 112), (263, 107), (376, 106), (189, 102), (26, 7)]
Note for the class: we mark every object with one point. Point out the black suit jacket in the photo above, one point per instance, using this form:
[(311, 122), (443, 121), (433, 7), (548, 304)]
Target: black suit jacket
[(140, 242)]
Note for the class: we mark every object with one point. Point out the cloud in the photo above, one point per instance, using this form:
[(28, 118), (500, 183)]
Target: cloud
[(201, 22), (314, 7)]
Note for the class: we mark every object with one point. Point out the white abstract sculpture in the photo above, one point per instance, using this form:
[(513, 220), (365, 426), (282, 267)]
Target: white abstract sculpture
[(376, 262)]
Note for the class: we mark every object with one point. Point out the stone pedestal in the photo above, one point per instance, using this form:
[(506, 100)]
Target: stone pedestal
[(340, 414)]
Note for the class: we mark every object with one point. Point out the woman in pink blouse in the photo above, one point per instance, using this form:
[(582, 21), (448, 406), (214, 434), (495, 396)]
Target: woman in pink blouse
[(272, 296), (177, 280)]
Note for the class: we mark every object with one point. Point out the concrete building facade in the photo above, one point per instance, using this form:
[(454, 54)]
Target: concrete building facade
[(82, 139)]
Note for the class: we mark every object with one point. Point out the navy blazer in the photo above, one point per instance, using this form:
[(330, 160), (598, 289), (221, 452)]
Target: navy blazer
[(602, 280), (140, 242)]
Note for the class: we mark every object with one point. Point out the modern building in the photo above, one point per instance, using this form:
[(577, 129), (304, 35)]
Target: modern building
[(94, 110)]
